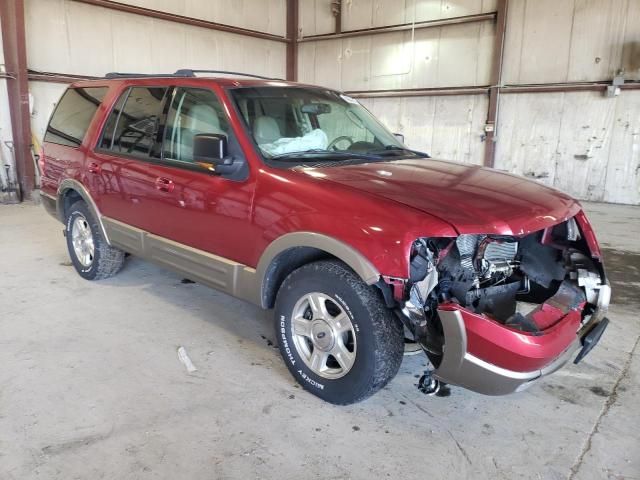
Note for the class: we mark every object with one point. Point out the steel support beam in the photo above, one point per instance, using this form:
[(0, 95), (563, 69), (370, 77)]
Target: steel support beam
[(336, 9), (50, 77), (496, 80), (292, 40), (419, 92), (566, 87), (401, 27), (599, 86), (13, 39), (172, 17)]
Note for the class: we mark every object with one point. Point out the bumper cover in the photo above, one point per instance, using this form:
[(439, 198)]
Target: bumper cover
[(544, 354)]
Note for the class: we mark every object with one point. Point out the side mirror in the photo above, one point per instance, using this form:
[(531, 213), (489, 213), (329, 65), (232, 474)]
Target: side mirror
[(400, 137), (209, 148)]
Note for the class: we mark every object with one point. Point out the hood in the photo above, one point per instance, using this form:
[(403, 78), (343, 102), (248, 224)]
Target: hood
[(472, 199)]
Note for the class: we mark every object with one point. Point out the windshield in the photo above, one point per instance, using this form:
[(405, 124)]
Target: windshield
[(292, 123)]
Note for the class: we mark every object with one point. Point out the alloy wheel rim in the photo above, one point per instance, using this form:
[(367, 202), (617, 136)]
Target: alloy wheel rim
[(82, 240), (323, 335)]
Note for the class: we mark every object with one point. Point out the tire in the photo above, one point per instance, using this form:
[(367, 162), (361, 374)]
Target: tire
[(94, 262), (368, 348)]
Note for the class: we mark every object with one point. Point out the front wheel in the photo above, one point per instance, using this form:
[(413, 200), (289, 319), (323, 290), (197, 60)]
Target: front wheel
[(337, 337)]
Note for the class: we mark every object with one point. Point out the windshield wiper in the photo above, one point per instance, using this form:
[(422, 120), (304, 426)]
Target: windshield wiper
[(324, 155), (394, 150)]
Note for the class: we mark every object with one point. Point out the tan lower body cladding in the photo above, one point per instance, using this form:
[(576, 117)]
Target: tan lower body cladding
[(217, 272)]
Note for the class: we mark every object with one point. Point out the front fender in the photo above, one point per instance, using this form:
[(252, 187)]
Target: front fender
[(352, 257), (372, 247)]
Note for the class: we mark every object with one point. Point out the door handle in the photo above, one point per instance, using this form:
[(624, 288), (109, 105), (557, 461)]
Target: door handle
[(93, 168), (164, 184)]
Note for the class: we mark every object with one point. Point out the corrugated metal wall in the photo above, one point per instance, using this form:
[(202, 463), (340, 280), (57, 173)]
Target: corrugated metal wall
[(456, 55), (69, 37), (580, 142)]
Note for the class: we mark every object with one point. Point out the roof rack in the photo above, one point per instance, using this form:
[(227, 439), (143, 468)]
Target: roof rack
[(192, 73), (184, 72), (112, 75)]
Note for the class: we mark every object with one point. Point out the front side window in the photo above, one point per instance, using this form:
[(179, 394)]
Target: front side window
[(292, 122), (72, 117), (132, 126), (193, 112)]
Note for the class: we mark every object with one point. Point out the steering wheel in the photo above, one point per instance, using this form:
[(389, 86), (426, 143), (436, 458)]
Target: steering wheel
[(332, 145)]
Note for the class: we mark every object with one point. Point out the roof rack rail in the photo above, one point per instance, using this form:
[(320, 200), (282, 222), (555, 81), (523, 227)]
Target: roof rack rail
[(184, 72), (112, 75), (187, 72)]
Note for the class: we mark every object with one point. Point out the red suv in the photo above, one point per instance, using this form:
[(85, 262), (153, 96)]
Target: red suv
[(296, 198)]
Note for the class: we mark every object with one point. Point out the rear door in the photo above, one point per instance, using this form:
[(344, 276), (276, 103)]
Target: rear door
[(119, 167)]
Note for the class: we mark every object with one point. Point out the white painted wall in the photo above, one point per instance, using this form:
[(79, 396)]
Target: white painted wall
[(581, 142), (262, 15), (70, 37), (316, 17), (457, 55), (75, 38), (571, 40), (445, 127)]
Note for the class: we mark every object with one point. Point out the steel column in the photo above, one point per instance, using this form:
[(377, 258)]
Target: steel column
[(292, 40), (336, 9), (13, 39), (496, 79)]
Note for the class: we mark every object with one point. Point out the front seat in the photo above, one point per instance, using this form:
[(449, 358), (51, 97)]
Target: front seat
[(201, 118), (266, 130)]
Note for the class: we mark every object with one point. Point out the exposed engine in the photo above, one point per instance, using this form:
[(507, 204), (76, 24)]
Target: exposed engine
[(508, 278)]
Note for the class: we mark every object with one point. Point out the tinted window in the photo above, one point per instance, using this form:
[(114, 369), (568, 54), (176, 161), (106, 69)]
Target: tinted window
[(72, 116), (110, 127), (133, 128), (193, 111)]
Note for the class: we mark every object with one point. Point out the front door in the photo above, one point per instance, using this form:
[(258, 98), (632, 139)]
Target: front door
[(158, 187)]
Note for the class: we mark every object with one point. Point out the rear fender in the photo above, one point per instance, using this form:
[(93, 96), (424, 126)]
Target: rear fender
[(70, 184)]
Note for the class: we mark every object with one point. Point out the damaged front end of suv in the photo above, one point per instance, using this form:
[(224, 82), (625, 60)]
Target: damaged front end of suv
[(496, 312)]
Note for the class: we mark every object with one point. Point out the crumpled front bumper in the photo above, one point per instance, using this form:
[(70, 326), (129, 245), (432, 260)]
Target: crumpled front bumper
[(486, 357)]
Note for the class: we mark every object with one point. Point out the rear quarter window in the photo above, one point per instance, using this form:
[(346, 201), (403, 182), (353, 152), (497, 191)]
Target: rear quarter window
[(72, 117)]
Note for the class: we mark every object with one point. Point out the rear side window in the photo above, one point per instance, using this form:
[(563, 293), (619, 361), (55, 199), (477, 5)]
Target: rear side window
[(72, 116), (132, 126)]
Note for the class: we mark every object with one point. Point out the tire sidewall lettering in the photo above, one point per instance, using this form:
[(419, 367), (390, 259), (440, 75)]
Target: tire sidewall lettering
[(79, 267), (285, 341), (290, 355), (346, 308)]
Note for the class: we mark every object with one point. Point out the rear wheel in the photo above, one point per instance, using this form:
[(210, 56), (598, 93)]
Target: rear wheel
[(91, 255), (335, 334)]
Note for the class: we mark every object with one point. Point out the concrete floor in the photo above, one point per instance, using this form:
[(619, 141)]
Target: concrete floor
[(91, 386)]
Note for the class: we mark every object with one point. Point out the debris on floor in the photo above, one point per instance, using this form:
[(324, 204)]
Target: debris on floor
[(186, 361)]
